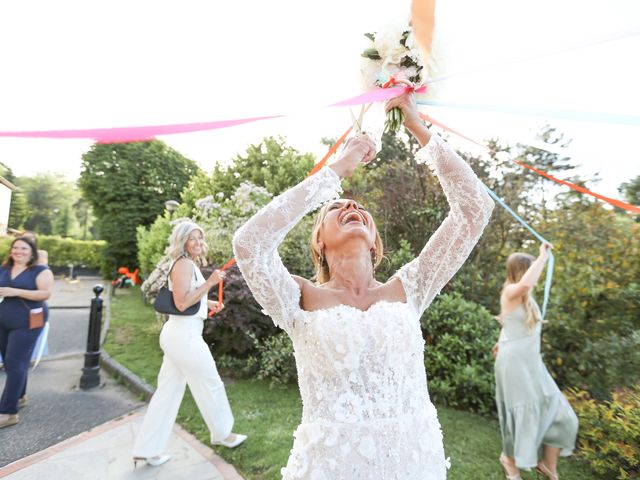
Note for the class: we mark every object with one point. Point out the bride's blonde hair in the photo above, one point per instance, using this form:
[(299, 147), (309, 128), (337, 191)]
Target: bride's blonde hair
[(517, 264), (322, 274)]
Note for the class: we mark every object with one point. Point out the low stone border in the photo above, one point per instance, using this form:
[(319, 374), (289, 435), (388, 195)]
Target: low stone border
[(122, 373)]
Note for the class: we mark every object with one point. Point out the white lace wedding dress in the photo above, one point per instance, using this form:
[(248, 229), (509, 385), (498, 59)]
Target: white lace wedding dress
[(366, 409)]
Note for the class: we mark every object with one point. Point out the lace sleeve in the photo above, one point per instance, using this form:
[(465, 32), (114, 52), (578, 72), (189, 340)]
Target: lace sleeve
[(255, 244), (445, 252)]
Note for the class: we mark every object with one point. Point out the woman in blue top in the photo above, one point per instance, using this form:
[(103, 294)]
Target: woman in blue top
[(24, 286)]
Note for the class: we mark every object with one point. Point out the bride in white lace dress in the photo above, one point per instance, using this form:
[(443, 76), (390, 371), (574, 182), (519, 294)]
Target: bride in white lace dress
[(358, 344)]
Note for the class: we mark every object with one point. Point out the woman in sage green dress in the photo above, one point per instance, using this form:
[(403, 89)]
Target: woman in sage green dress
[(536, 420)]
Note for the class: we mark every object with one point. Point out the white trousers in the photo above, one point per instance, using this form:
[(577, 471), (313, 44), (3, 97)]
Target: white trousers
[(187, 361)]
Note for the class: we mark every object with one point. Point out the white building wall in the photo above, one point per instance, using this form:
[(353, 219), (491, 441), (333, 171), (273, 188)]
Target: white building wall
[(5, 204)]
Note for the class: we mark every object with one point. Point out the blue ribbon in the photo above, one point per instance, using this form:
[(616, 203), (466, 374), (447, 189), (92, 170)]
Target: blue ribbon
[(550, 260), (603, 117)]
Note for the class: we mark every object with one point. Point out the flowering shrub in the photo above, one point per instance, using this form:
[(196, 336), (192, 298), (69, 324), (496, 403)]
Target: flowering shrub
[(236, 329), (609, 435)]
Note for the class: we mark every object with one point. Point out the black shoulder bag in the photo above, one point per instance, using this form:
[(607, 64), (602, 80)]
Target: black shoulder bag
[(164, 301)]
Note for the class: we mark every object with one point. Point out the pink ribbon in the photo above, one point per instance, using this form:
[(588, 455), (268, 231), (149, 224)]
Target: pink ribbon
[(142, 133)]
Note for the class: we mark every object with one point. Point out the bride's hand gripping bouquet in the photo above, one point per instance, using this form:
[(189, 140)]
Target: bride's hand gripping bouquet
[(392, 58)]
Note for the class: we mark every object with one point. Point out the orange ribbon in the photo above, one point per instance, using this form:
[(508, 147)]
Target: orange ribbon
[(578, 188)]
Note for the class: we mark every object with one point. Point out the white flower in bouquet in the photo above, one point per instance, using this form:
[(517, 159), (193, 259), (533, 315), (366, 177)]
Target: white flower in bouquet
[(391, 55), (387, 43)]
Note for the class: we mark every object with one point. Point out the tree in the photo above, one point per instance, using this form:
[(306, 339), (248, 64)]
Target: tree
[(86, 219), (270, 164), (127, 185), (631, 192), (47, 196)]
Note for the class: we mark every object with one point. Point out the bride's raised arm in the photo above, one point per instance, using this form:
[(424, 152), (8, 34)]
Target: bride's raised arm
[(255, 244), (470, 208), (448, 248)]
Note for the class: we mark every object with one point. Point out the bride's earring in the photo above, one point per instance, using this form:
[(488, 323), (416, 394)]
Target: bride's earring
[(373, 258)]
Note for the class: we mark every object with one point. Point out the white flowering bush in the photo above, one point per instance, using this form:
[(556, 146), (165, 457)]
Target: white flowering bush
[(220, 217)]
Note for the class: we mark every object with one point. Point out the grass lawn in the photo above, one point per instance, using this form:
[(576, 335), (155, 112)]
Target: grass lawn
[(269, 416)]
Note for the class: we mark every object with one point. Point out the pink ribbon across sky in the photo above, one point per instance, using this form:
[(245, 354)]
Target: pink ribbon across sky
[(142, 133)]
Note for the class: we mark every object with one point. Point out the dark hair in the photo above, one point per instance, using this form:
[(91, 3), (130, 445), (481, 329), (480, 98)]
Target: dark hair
[(8, 262)]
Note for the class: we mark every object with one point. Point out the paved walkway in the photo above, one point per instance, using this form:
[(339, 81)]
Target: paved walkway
[(104, 453), (67, 433), (57, 409)]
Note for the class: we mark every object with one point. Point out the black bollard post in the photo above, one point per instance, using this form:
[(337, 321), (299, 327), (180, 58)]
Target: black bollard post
[(91, 371)]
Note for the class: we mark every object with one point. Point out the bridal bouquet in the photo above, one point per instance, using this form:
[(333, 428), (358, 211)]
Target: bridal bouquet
[(392, 55)]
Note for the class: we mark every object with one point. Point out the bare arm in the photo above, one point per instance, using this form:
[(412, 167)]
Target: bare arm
[(43, 257), (531, 276), (44, 287), (255, 244), (181, 276)]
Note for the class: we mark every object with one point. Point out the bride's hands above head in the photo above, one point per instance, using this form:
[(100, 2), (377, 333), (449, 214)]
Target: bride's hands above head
[(360, 149), (407, 103)]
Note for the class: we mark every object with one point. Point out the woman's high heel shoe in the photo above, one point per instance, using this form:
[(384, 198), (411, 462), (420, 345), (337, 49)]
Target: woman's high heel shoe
[(505, 465), (542, 469), (155, 461), (233, 443)]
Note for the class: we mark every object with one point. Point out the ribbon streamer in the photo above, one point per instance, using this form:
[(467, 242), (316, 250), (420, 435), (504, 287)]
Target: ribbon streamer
[(550, 260), (602, 117), (578, 188), (142, 133)]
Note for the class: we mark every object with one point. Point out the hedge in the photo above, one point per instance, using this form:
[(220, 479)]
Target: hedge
[(65, 251)]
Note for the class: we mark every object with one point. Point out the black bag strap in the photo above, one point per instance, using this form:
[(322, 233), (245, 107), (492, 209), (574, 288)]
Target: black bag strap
[(166, 283)]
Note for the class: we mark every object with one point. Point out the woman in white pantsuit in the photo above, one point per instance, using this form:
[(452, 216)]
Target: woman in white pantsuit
[(187, 359)]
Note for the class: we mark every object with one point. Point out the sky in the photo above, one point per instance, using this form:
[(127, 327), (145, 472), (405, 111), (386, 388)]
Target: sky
[(72, 64)]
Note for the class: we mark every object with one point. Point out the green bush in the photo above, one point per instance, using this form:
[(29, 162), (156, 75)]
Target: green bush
[(607, 363), (152, 243), (459, 335), (274, 360), (65, 251), (235, 329), (609, 435)]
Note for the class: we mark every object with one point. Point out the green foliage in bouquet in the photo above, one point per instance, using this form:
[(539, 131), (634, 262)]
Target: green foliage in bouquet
[(394, 56)]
